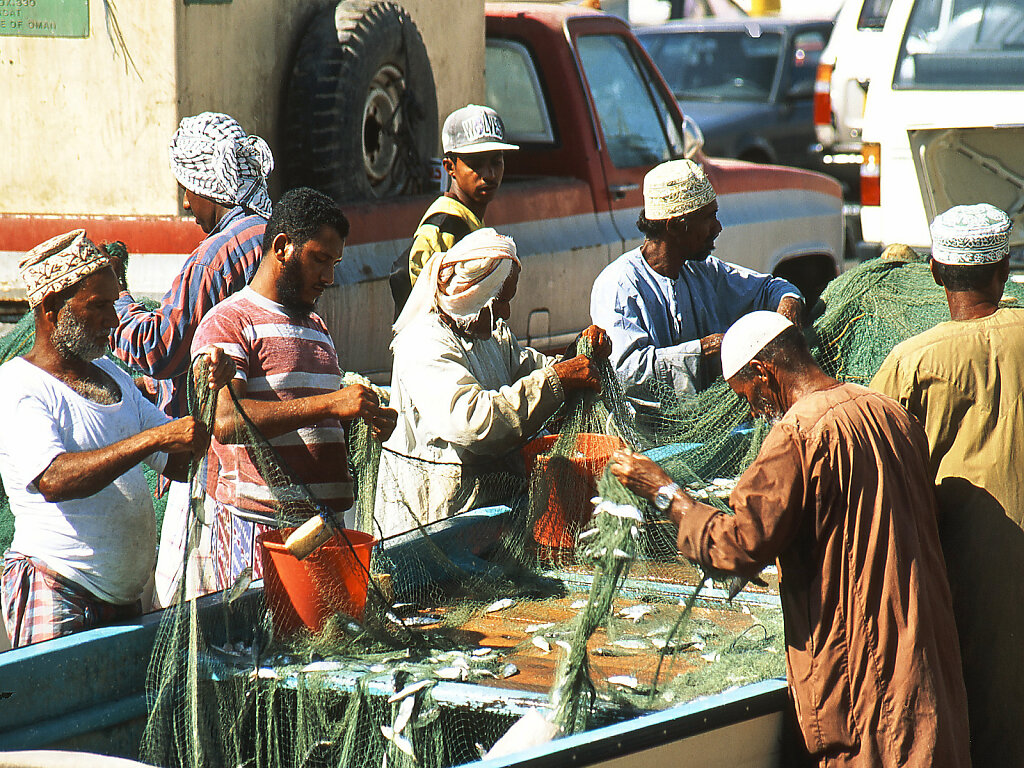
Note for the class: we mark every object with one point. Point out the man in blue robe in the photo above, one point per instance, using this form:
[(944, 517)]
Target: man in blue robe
[(666, 304)]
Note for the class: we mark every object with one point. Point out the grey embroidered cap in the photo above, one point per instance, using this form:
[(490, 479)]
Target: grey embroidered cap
[(971, 234), (474, 128)]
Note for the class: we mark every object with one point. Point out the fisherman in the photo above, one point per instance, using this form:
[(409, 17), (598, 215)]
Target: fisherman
[(223, 175), (76, 430), (840, 495), (963, 380), (667, 303), (473, 140), (287, 385), (468, 394)]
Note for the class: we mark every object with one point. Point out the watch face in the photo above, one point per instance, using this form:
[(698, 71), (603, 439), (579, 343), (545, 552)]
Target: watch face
[(662, 499)]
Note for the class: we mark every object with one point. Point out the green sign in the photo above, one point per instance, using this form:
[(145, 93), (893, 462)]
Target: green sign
[(44, 18)]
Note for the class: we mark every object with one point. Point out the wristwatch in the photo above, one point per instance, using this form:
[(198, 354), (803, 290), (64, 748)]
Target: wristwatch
[(665, 494)]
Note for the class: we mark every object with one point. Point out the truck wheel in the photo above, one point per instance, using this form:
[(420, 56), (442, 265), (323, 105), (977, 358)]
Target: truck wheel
[(361, 110)]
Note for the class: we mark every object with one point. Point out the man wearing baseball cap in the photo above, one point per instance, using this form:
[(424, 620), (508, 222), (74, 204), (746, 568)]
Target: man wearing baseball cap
[(473, 140), (840, 496), (963, 380), (667, 303)]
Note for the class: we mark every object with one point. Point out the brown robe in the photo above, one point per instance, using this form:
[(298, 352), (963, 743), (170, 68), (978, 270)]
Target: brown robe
[(841, 495)]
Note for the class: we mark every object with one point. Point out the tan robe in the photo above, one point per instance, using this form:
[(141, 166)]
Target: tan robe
[(841, 495), (964, 380)]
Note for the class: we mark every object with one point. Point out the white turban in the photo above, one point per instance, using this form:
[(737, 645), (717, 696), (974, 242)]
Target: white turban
[(462, 281), (967, 235), (212, 156), (748, 336)]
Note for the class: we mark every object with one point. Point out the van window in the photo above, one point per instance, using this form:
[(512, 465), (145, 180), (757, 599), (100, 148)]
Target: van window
[(963, 45), (873, 13), (635, 124), (513, 90)]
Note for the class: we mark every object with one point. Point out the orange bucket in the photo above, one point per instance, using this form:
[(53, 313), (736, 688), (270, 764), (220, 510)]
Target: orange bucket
[(572, 486), (308, 592)]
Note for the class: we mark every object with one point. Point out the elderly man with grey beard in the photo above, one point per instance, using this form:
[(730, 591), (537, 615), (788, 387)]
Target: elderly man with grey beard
[(76, 431)]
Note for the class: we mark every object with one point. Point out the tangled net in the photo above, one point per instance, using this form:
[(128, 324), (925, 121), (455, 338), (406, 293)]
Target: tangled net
[(525, 601)]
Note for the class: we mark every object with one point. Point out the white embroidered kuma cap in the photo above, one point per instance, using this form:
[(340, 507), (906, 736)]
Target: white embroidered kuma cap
[(675, 188), (971, 234), (748, 336), (474, 129)]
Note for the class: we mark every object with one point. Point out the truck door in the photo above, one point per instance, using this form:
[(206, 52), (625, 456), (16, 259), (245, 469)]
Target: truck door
[(637, 122)]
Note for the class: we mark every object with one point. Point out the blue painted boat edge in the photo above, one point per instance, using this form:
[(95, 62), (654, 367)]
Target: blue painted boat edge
[(647, 731)]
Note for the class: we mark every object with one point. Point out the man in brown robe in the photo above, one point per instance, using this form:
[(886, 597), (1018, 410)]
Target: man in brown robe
[(963, 381), (840, 494)]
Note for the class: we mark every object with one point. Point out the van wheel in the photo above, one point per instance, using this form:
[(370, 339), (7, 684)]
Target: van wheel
[(360, 116)]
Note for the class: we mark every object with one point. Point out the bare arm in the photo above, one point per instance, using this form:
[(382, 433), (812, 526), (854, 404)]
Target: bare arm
[(792, 309), (84, 473), (279, 418)]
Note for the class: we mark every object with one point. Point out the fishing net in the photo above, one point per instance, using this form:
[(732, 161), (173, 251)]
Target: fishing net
[(469, 595)]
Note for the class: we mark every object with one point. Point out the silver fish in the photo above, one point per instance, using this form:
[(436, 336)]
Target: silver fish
[(500, 605), (399, 741), (322, 666), (451, 673), (542, 643), (509, 670), (409, 690), (627, 681), (404, 713), (478, 652)]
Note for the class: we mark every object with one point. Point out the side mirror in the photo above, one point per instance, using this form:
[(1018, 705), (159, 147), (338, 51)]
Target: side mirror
[(693, 138)]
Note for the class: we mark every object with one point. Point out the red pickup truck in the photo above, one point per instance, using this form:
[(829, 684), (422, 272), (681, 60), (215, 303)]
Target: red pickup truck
[(592, 115)]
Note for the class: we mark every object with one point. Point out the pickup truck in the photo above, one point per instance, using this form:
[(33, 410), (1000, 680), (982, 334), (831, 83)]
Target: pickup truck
[(592, 115)]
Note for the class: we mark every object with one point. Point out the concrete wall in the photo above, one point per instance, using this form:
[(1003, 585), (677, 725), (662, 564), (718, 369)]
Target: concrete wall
[(82, 136)]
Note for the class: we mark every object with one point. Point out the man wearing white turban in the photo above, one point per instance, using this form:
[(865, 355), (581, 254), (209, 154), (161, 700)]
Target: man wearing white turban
[(667, 303), (223, 175), (963, 380), (840, 497), (467, 394)]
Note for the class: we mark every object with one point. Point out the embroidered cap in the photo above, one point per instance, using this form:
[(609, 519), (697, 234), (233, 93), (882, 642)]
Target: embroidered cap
[(675, 188), (59, 263), (747, 337), (474, 128), (971, 234)]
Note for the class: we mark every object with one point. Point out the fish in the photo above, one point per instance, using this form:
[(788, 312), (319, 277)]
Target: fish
[(627, 681), (404, 713), (409, 690), (542, 643), (451, 673), (564, 645), (322, 666), (623, 511), (241, 584), (413, 621), (577, 604), (265, 673), (500, 605), (399, 741), (711, 656), (509, 670), (531, 628), (631, 644), (635, 612), (588, 533), (478, 652)]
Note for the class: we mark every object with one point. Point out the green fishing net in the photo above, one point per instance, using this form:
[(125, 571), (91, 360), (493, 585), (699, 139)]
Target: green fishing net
[(504, 592)]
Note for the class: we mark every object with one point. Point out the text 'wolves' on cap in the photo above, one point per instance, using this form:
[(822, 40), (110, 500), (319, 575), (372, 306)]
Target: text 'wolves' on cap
[(474, 129)]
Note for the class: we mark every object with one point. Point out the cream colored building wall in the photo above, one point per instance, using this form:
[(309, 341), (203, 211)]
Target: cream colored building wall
[(80, 135), (235, 58), (83, 136)]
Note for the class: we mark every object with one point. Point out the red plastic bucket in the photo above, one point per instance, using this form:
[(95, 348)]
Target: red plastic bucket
[(308, 592), (571, 485)]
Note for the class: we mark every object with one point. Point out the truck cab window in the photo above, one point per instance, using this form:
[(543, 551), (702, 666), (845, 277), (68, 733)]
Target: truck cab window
[(513, 90), (873, 13), (962, 44), (635, 126)]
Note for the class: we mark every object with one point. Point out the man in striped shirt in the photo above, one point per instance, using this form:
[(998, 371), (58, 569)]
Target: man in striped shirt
[(287, 385), (223, 173)]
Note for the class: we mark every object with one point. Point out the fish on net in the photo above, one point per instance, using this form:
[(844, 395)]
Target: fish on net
[(511, 582)]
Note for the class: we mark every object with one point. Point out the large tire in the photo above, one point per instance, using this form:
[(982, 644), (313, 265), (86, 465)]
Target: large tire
[(360, 116)]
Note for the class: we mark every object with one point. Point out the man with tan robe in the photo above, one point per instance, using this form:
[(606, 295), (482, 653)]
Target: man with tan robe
[(964, 380), (840, 494)]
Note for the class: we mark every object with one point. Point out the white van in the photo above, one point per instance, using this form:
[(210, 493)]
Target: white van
[(944, 118)]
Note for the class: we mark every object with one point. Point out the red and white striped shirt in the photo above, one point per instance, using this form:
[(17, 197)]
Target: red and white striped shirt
[(280, 357)]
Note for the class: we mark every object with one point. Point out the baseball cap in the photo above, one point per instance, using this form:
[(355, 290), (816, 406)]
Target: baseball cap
[(473, 128)]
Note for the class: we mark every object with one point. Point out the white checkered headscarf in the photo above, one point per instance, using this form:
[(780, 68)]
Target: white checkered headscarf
[(212, 156)]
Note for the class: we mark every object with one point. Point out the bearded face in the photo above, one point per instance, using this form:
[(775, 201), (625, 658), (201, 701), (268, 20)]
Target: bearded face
[(75, 340)]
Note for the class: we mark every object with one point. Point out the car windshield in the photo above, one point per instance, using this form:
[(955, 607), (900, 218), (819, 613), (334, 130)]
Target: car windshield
[(963, 45), (717, 66)]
